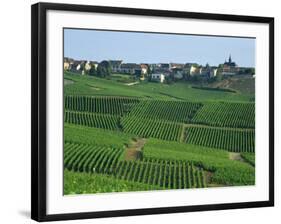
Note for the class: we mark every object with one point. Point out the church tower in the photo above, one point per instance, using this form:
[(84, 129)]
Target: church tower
[(229, 59)]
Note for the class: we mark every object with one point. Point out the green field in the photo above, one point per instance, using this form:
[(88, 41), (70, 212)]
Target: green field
[(152, 136), (94, 86)]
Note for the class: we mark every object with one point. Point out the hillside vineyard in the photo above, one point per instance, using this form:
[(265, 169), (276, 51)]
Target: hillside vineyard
[(167, 144)]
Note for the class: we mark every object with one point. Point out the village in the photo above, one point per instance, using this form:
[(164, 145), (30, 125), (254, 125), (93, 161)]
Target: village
[(160, 72)]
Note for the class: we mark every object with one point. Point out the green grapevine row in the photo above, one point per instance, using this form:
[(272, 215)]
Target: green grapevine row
[(152, 128), (92, 120), (89, 158), (163, 173), (228, 139), (166, 110), (106, 105), (239, 115)]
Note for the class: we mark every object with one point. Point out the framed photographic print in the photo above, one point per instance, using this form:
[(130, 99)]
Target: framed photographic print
[(139, 111)]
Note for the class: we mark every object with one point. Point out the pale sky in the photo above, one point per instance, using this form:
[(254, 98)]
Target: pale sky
[(140, 47)]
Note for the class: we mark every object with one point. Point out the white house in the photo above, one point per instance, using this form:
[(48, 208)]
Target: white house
[(159, 77), (144, 69), (87, 66), (213, 72), (193, 70), (66, 65)]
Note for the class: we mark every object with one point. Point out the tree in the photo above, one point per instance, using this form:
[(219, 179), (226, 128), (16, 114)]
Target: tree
[(104, 69), (186, 75), (93, 71), (169, 80), (250, 71), (100, 71), (82, 67), (196, 78)]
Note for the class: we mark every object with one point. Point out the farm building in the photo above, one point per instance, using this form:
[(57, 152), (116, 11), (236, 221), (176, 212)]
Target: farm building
[(130, 68), (177, 73), (115, 65), (165, 66), (87, 66), (214, 71), (191, 69), (94, 64), (78, 67), (208, 71), (144, 69), (165, 72), (67, 63), (158, 77), (176, 65)]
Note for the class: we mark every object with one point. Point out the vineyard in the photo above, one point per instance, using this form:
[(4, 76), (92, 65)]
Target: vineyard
[(135, 138), (152, 128), (104, 105), (235, 115), (105, 121), (210, 159), (166, 110), (103, 160), (88, 158), (95, 136), (228, 139)]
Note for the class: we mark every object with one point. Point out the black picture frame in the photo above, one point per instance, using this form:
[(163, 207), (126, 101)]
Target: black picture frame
[(38, 108)]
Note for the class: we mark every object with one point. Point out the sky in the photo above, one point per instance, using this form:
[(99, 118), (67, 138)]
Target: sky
[(138, 47)]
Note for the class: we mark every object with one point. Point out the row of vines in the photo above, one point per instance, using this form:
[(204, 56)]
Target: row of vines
[(163, 173), (106, 105), (228, 139), (104, 121), (90, 158), (166, 110), (235, 115), (164, 120), (152, 128)]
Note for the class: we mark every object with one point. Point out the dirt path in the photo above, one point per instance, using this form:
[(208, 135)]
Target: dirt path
[(182, 138), (131, 83), (133, 152), (236, 156), (209, 182)]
